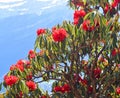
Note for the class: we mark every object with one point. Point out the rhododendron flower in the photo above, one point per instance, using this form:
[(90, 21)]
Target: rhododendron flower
[(115, 3), (40, 32), (66, 87), (76, 21), (118, 90), (114, 52), (107, 8), (31, 85), (57, 89), (77, 15), (10, 80), (59, 35), (13, 67), (97, 72), (20, 67), (86, 26), (31, 54)]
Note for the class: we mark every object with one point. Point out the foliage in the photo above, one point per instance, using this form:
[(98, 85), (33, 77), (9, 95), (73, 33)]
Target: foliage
[(82, 57)]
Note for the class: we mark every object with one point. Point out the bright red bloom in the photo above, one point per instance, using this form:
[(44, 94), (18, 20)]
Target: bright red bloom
[(59, 35), (114, 52), (13, 67), (57, 89), (10, 80), (115, 3), (97, 72), (76, 21), (107, 8), (79, 13), (31, 54), (31, 85), (40, 31), (66, 87), (86, 26), (20, 67), (118, 90)]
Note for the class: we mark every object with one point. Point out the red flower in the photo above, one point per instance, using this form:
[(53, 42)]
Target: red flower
[(76, 21), (118, 90), (106, 9), (57, 89), (31, 85), (66, 87), (10, 80), (115, 3), (97, 72), (40, 31), (13, 67), (86, 26), (31, 54), (114, 52), (59, 35), (79, 13)]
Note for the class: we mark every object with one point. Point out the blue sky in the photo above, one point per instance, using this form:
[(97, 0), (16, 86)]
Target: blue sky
[(19, 20)]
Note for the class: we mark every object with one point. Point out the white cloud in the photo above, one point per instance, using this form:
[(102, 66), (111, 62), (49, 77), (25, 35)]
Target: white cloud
[(6, 6), (9, 1)]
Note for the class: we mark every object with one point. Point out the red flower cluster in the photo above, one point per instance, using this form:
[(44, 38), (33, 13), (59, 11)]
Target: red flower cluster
[(31, 54), (86, 26), (118, 90), (31, 85), (40, 32), (114, 52), (19, 65), (59, 35), (97, 72), (10, 80), (77, 15), (63, 89)]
